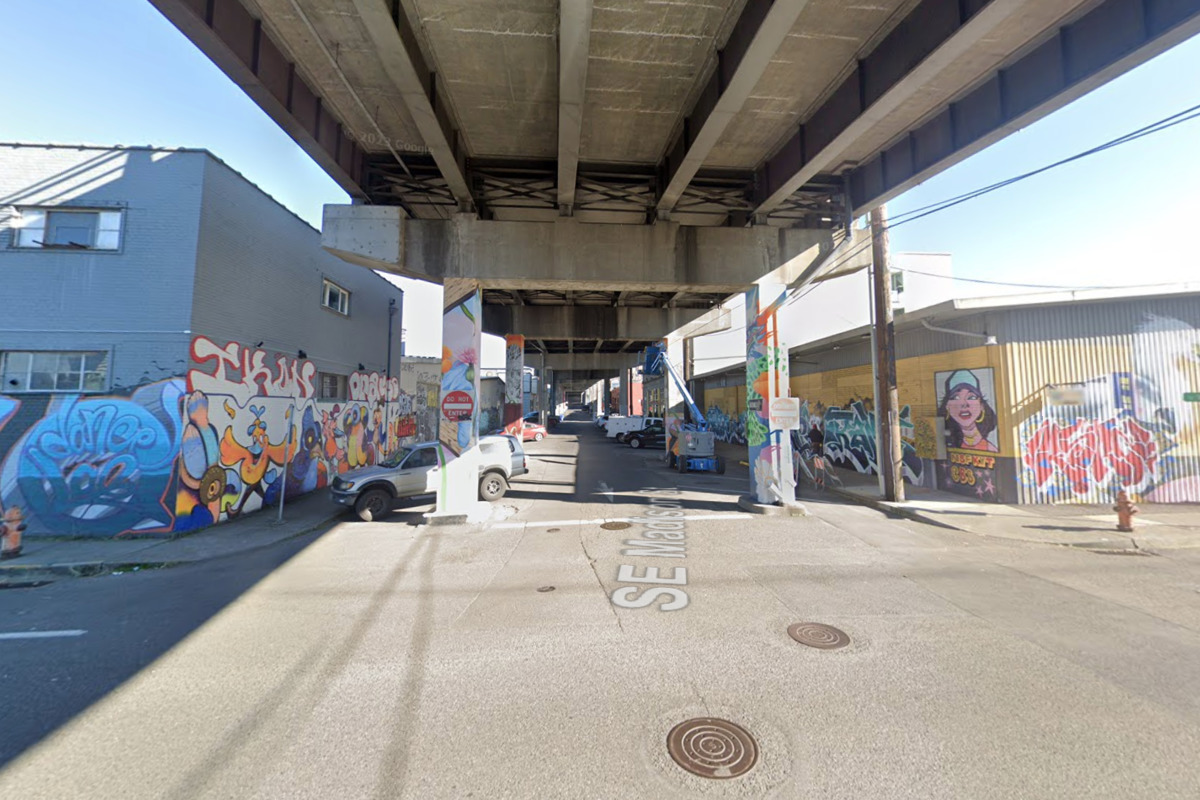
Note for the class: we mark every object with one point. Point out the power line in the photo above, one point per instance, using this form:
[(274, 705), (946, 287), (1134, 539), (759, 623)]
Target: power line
[(1171, 121)]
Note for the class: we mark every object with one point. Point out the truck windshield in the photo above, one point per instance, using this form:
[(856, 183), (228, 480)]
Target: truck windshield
[(396, 458)]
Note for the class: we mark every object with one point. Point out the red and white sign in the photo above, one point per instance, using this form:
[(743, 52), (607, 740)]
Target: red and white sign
[(457, 406), (785, 414)]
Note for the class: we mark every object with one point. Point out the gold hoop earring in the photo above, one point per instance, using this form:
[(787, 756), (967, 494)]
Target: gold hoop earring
[(982, 414)]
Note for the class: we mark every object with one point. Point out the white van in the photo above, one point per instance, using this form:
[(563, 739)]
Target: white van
[(620, 427)]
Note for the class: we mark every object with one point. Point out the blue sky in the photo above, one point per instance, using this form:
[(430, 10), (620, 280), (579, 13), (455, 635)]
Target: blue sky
[(116, 72)]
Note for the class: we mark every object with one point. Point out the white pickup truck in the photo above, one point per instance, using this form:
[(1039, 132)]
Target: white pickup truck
[(621, 427)]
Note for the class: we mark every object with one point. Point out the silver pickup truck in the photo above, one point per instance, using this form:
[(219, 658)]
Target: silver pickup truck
[(413, 471)]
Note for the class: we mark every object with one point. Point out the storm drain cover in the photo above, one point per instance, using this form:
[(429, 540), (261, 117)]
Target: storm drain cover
[(712, 748), (615, 526), (545, 588), (822, 637)]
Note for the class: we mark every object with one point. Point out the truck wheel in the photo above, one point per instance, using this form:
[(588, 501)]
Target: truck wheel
[(720, 465), (373, 504), (635, 443), (492, 487)]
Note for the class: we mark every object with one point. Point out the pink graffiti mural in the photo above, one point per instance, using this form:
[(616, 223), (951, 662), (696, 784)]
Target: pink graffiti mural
[(1116, 452)]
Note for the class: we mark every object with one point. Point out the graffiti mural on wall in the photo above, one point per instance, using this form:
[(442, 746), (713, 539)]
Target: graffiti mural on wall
[(249, 413), (727, 428), (965, 398), (1129, 430), (82, 465), (849, 435)]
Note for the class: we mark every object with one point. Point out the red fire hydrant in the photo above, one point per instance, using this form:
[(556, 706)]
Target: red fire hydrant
[(11, 527), (1125, 511)]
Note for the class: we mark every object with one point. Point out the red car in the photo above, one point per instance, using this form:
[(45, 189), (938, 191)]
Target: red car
[(526, 430), (533, 431)]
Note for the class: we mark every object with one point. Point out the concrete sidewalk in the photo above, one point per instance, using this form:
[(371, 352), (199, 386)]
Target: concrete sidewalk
[(1156, 526), (45, 557)]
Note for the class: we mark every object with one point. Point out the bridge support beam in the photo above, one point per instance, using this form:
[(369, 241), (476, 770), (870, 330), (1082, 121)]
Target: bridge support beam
[(565, 254)]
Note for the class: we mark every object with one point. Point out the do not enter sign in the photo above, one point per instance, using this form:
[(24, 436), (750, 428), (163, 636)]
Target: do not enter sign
[(785, 414), (457, 406)]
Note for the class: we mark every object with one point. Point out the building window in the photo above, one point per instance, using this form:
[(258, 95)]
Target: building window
[(68, 229), (336, 298), (54, 371), (332, 387)]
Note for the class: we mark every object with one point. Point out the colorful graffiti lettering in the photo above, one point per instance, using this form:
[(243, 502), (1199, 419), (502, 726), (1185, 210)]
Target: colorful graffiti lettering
[(850, 440), (727, 428), (1116, 453), (373, 387), (97, 465), (243, 370)]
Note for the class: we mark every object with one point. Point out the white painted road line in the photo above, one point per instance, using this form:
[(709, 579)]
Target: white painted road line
[(560, 522), (41, 634)]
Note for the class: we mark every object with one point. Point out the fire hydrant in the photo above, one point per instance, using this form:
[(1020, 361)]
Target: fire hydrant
[(11, 527), (1125, 511)]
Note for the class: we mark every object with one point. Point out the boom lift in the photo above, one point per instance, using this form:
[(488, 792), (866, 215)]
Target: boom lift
[(693, 446)]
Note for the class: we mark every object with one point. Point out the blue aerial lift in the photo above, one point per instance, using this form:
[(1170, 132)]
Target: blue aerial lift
[(694, 445)]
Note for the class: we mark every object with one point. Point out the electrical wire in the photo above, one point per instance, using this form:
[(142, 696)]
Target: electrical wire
[(1171, 121)]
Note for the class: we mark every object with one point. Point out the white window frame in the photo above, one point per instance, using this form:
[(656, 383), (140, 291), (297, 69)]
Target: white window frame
[(343, 306), (6, 372), (30, 224), (343, 386)]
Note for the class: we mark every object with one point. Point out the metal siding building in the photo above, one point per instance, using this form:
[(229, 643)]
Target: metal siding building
[(1085, 389)]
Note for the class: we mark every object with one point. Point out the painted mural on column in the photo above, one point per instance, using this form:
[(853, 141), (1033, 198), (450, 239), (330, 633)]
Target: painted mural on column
[(88, 465), (459, 401), (965, 404), (1133, 430), (766, 366), (514, 369)]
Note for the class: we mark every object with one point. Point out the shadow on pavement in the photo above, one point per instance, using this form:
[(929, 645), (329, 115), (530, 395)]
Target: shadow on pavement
[(129, 619)]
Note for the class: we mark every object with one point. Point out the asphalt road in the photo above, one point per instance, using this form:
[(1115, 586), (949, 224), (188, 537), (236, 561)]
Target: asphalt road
[(542, 655)]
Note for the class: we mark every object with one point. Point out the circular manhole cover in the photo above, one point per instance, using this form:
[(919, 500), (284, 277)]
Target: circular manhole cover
[(712, 748), (615, 526), (822, 637)]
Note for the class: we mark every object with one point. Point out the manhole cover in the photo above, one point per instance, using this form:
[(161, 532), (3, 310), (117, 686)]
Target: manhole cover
[(615, 526), (545, 588), (822, 637), (712, 748)]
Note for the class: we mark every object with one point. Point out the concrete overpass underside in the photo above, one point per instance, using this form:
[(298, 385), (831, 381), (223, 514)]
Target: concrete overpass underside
[(606, 172)]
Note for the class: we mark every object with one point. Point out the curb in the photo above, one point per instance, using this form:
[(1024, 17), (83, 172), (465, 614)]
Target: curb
[(25, 573), (893, 510), (748, 503)]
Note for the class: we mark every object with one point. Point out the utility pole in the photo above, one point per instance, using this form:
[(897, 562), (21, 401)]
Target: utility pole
[(887, 412)]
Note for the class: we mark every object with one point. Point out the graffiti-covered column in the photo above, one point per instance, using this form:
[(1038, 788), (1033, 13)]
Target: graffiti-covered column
[(514, 372), (674, 408), (770, 452), (458, 402)]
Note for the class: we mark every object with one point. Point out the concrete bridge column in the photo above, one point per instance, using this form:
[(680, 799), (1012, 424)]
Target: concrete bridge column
[(770, 453), (457, 476), (514, 374), (623, 392), (674, 406)]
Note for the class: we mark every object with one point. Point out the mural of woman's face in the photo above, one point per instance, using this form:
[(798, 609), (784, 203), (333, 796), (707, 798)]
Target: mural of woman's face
[(964, 406)]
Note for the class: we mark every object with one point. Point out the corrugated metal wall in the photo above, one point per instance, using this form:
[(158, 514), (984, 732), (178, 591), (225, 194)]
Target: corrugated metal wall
[(1098, 405)]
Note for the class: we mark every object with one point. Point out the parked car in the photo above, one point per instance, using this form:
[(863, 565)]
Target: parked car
[(650, 436), (533, 431), (413, 471), (620, 428)]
